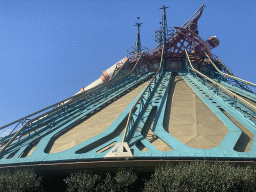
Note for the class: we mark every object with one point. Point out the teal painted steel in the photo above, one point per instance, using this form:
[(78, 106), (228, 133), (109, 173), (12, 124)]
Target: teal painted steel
[(232, 87), (228, 80), (39, 154), (159, 99), (143, 104), (224, 150), (153, 96), (45, 128), (236, 83), (87, 151), (42, 127), (242, 108)]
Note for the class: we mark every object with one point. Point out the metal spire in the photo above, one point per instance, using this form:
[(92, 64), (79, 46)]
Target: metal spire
[(164, 33), (164, 25), (138, 43), (160, 36), (137, 49)]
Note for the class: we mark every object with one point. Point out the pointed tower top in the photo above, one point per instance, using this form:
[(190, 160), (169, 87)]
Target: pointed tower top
[(137, 23), (137, 49), (164, 32), (164, 7), (138, 43)]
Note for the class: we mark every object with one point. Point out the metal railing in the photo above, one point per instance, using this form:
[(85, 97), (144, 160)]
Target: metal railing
[(247, 109), (60, 103), (84, 96), (230, 76), (151, 87), (238, 82)]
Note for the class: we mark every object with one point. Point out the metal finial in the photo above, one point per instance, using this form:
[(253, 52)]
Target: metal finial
[(138, 23), (163, 7)]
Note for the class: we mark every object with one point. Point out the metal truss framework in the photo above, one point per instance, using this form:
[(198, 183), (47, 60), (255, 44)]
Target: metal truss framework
[(237, 85), (153, 96), (215, 97), (201, 70), (69, 111)]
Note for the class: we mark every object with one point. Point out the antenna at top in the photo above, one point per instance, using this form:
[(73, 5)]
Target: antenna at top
[(137, 49), (138, 24)]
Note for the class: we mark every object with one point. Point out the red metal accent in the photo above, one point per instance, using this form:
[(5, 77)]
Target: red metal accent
[(175, 48), (186, 39)]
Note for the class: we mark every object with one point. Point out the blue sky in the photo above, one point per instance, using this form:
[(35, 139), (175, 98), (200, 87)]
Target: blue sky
[(49, 49)]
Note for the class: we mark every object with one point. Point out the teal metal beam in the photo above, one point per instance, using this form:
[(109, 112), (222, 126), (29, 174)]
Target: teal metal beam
[(74, 108), (87, 151)]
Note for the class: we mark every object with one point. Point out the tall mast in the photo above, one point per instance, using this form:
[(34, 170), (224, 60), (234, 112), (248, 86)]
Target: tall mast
[(138, 43), (164, 33)]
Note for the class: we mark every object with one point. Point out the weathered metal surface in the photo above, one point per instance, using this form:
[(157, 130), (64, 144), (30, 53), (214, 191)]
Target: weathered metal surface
[(190, 109)]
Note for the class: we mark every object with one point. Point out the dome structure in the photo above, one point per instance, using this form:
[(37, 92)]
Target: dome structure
[(177, 101)]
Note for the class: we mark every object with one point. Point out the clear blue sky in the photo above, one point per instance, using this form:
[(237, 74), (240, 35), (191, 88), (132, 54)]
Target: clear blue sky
[(49, 49)]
